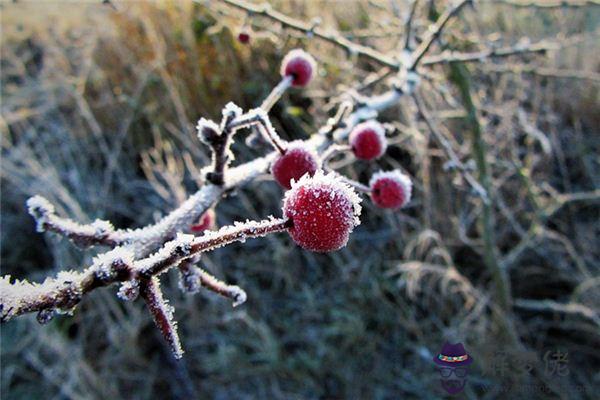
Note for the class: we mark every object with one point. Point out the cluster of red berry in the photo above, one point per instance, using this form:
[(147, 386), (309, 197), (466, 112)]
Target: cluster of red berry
[(323, 209)]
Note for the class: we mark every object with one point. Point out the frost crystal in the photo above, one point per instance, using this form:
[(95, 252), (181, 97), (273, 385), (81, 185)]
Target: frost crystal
[(207, 130), (129, 290), (180, 247), (239, 296), (40, 209), (109, 263), (231, 109)]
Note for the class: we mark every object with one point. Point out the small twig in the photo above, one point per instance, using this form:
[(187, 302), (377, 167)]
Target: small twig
[(333, 37), (478, 56), (408, 28), (194, 277), (162, 313), (66, 290), (276, 93), (481, 192), (331, 152), (258, 117), (435, 31), (98, 232), (356, 185), (337, 121)]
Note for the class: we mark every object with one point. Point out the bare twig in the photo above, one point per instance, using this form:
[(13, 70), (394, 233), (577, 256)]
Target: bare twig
[(435, 31), (162, 313), (408, 27), (276, 93), (333, 37), (481, 192), (524, 47), (551, 306), (548, 4), (542, 71)]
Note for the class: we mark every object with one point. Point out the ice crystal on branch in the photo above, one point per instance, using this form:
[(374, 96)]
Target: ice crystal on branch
[(319, 210)]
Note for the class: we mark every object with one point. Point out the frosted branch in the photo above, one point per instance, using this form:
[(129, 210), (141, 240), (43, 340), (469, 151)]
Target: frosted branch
[(98, 232), (162, 313), (193, 278)]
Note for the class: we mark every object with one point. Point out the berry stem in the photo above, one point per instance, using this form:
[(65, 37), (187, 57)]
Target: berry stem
[(194, 277), (331, 152), (258, 117), (356, 185), (276, 93), (181, 248), (267, 130)]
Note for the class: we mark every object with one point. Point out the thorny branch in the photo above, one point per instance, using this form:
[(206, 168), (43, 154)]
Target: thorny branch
[(139, 256)]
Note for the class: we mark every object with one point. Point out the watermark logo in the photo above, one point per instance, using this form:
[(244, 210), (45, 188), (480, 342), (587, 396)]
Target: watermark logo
[(453, 364)]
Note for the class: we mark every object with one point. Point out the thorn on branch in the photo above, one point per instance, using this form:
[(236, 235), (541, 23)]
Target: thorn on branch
[(162, 313), (193, 278)]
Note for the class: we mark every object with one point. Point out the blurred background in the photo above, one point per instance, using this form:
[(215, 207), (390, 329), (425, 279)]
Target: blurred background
[(99, 103)]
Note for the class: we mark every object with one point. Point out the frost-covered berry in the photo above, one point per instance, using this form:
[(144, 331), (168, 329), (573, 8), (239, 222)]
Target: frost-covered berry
[(206, 221), (390, 189), (368, 140), (293, 164), (244, 37), (300, 65), (323, 211)]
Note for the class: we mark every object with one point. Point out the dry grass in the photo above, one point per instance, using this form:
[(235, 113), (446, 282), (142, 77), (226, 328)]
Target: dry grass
[(97, 116)]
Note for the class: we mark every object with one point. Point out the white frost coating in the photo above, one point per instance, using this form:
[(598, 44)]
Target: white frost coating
[(106, 263), (397, 176), (147, 239), (41, 210), (205, 127), (189, 280), (38, 204), (101, 228), (231, 109), (20, 293), (44, 213), (181, 246), (412, 81), (160, 307), (253, 228), (368, 111), (335, 185), (129, 290), (239, 295)]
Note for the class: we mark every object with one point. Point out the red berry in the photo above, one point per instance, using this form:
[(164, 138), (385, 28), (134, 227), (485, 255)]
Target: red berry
[(323, 211), (293, 164), (244, 37), (368, 140), (300, 65), (206, 222), (391, 189)]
